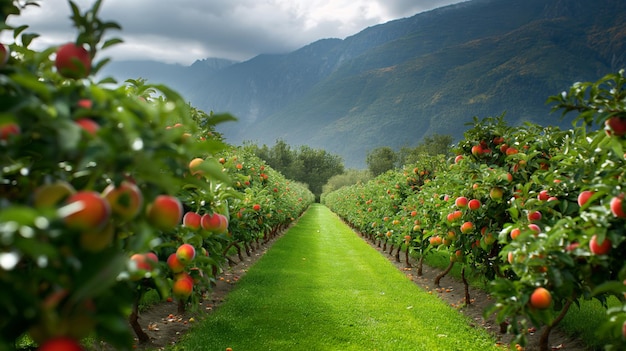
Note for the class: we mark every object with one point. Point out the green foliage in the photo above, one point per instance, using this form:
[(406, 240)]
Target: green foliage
[(350, 177), (380, 160)]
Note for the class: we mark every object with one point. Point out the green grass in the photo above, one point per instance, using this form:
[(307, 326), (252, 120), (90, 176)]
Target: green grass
[(321, 287)]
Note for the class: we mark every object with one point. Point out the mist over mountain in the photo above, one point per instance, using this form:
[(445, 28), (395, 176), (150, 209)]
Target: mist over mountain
[(395, 83)]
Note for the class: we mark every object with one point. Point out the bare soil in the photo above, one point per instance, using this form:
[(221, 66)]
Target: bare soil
[(165, 326)]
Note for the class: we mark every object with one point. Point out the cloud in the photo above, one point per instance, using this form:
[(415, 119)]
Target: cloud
[(186, 30)]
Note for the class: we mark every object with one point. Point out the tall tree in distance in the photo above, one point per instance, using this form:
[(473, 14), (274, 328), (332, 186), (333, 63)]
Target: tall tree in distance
[(436, 144), (380, 160)]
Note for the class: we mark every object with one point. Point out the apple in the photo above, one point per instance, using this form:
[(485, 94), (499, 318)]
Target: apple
[(535, 228), (174, 264), (194, 166), (515, 232), (599, 248), (125, 199), (73, 61), (60, 343), (210, 221), (453, 216), (435, 240), (182, 287), (584, 196), (543, 195), (256, 207), (511, 151), (50, 195), (152, 258), (477, 150), (617, 207), (533, 216), (192, 220), (84, 103), (540, 298), (616, 126), (88, 125), (489, 239), (185, 253), (223, 224), (467, 227), (458, 158), (461, 202), (142, 261), (496, 193), (85, 210), (8, 129), (165, 212), (474, 204)]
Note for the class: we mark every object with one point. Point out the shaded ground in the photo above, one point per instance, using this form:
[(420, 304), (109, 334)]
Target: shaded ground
[(165, 327)]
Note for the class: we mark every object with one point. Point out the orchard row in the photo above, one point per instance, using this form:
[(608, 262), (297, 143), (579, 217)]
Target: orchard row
[(536, 210), (108, 190)]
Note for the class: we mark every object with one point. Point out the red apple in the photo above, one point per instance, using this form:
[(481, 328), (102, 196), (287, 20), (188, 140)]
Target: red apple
[(4, 55), (474, 204), (461, 202), (616, 126), (125, 199), (467, 227), (85, 103), (183, 287), (617, 207), (8, 129), (192, 220), (584, 196), (88, 125), (185, 253), (543, 195), (458, 158), (598, 248), (511, 151), (97, 240), (73, 61), (174, 264), (60, 343), (256, 207), (477, 150), (210, 222), (165, 212), (534, 216), (515, 232), (535, 228), (85, 210), (540, 298)]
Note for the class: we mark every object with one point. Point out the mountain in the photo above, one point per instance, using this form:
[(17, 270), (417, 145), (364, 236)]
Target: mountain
[(394, 83)]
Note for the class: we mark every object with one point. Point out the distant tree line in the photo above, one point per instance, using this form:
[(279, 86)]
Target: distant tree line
[(324, 172)]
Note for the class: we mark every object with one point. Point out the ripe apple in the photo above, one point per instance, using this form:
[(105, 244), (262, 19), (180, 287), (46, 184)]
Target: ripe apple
[(535, 228), (540, 298), (584, 196), (496, 193), (183, 287), (616, 126), (435, 240), (474, 204), (515, 232), (489, 239), (194, 166), (192, 220), (8, 129), (73, 61), (185, 253), (88, 125), (543, 195), (461, 202), (210, 222), (467, 227), (84, 103), (598, 248), (477, 150), (617, 207), (533, 216), (256, 207), (458, 158), (174, 264), (165, 212), (125, 199), (60, 343), (85, 210), (50, 195), (511, 151)]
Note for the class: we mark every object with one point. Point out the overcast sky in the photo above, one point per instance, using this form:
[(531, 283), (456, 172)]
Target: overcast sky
[(182, 31)]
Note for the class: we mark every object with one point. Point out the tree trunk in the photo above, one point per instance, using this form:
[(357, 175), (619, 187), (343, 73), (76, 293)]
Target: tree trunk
[(465, 287), (398, 253), (443, 274), (544, 340), (406, 258), (391, 250), (133, 319), (181, 306), (420, 265), (238, 252), (384, 245)]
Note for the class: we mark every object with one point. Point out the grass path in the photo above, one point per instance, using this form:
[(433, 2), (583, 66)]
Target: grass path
[(321, 287)]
